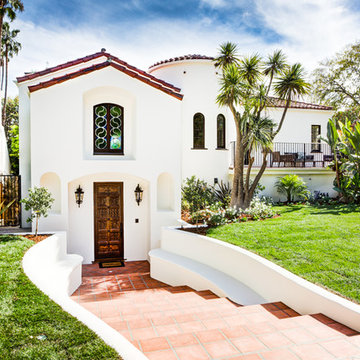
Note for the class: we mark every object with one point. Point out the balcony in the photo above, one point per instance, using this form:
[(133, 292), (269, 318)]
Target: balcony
[(284, 154)]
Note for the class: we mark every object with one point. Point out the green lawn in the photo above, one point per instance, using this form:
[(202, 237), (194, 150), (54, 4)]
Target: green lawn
[(26, 313), (318, 243)]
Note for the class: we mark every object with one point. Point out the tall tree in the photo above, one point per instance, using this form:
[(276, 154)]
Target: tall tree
[(8, 8), (245, 88), (9, 48), (337, 80)]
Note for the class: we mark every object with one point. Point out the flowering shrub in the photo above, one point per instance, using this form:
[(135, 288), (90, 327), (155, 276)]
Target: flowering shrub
[(259, 210)]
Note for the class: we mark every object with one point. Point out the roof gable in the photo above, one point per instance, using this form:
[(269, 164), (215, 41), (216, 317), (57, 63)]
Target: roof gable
[(95, 67)]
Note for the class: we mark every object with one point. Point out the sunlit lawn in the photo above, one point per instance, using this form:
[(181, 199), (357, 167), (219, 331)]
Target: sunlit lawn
[(319, 243)]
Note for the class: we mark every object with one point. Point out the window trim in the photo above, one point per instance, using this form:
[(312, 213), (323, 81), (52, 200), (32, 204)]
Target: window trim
[(108, 151), (203, 132), (315, 145), (217, 133)]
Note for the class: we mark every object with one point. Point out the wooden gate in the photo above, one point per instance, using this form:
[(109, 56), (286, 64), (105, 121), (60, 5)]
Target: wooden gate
[(108, 219), (10, 189)]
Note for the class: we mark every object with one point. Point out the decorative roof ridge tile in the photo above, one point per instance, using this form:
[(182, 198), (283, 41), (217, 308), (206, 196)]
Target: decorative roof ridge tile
[(181, 58), (294, 104), (94, 67)]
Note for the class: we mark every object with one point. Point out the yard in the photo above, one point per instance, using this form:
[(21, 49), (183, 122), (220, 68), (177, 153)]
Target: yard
[(31, 325), (318, 243)]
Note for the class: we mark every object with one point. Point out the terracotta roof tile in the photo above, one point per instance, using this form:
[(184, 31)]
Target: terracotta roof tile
[(184, 57), (279, 103), (84, 71), (92, 57)]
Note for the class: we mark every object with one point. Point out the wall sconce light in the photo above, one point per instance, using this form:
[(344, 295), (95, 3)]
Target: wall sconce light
[(138, 194), (79, 195)]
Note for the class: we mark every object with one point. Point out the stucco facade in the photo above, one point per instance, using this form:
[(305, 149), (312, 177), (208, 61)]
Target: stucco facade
[(57, 143)]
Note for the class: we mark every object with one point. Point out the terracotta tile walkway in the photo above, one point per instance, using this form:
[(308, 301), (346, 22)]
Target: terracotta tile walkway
[(182, 324)]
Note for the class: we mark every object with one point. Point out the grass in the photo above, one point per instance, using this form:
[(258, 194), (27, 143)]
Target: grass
[(26, 313), (319, 243)]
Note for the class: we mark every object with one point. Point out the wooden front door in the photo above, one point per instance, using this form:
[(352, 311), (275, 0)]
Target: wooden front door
[(108, 219)]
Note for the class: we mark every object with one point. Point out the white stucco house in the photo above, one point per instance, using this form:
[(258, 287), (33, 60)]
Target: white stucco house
[(106, 126)]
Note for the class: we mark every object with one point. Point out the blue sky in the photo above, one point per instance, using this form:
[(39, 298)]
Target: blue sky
[(142, 32)]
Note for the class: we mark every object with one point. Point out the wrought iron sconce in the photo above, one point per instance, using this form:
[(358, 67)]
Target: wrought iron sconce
[(138, 194), (79, 195)]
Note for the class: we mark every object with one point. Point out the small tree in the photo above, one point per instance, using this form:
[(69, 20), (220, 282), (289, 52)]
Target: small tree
[(292, 186), (39, 202)]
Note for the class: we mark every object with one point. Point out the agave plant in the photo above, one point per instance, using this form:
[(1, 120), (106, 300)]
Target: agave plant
[(222, 193)]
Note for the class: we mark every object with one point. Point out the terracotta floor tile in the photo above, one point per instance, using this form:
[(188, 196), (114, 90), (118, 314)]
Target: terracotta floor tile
[(341, 348), (298, 335), (247, 357), (144, 333), (166, 330), (209, 335), (182, 340), (215, 324), (219, 349), (279, 354), (274, 340), (162, 320), (154, 344), (161, 355), (138, 324), (235, 332), (235, 320), (192, 326), (312, 352), (324, 332), (248, 344), (260, 328), (193, 352)]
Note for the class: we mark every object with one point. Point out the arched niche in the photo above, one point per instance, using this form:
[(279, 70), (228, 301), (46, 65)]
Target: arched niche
[(51, 181), (165, 192)]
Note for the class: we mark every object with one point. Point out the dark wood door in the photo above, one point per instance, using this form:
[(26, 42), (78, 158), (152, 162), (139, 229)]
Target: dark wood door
[(108, 218)]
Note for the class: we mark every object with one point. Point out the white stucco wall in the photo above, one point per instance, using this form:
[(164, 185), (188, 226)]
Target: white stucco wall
[(61, 142), (4, 155)]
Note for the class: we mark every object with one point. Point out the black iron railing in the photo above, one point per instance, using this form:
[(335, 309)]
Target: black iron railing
[(10, 189), (286, 154)]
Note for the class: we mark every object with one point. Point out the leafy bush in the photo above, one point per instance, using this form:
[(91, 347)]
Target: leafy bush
[(259, 210), (196, 194), (293, 187)]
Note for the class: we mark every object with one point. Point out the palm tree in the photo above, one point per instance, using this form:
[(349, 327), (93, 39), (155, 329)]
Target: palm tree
[(9, 48), (290, 85), (228, 55), (9, 8), (244, 92)]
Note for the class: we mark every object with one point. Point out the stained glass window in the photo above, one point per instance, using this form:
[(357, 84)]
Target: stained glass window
[(199, 131), (108, 129), (221, 131)]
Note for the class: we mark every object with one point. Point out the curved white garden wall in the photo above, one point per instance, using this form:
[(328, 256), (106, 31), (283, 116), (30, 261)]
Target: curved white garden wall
[(57, 274), (270, 281)]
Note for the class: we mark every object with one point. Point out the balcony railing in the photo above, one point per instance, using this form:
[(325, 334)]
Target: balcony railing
[(284, 154)]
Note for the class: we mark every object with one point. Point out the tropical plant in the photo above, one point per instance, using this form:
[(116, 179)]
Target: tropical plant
[(11, 116), (245, 91), (222, 193), (3, 207), (337, 80), (14, 149), (9, 48), (8, 8), (293, 187), (39, 202), (196, 194)]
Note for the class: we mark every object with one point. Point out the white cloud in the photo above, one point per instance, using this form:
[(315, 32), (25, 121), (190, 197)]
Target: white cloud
[(310, 30)]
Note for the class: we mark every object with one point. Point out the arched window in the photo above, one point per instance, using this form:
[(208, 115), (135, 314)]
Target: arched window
[(199, 131), (108, 129), (220, 131)]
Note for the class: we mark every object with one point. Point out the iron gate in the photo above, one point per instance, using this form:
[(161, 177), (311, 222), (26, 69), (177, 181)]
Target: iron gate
[(10, 189)]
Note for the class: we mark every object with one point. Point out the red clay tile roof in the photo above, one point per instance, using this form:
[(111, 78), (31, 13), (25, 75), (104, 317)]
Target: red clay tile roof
[(184, 57), (278, 103), (84, 71), (92, 57)]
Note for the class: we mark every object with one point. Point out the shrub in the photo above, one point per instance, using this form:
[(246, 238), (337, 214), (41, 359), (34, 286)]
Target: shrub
[(293, 187), (259, 210), (196, 194), (222, 193)]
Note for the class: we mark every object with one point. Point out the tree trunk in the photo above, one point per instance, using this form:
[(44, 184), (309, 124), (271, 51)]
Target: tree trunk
[(6, 86), (36, 225)]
